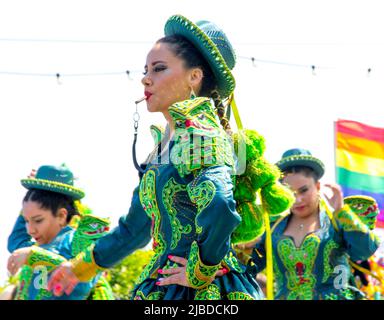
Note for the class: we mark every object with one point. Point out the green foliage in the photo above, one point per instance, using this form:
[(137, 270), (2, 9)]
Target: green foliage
[(11, 281), (123, 276)]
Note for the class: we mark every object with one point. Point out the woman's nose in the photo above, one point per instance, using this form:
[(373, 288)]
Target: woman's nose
[(146, 81), (30, 229), (298, 198)]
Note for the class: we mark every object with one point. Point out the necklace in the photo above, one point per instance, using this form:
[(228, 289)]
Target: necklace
[(301, 226)]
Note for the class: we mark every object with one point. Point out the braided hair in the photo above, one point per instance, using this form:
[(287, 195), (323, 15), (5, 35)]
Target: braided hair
[(192, 58), (220, 109)]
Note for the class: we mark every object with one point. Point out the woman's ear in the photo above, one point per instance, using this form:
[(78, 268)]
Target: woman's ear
[(62, 214), (195, 78)]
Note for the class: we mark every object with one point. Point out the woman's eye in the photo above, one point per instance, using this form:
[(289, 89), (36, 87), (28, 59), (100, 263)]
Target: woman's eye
[(303, 190), (156, 69), (159, 68), (38, 221)]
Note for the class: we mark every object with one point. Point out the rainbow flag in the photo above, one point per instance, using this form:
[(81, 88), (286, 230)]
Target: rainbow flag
[(360, 161)]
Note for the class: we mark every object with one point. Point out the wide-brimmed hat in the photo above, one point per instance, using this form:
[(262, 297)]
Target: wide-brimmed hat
[(55, 179), (300, 157), (212, 43)]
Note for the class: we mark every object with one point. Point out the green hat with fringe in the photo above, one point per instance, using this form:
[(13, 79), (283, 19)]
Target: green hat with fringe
[(301, 157), (212, 43), (55, 179)]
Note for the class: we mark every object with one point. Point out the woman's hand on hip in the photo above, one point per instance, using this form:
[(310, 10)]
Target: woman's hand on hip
[(177, 275)]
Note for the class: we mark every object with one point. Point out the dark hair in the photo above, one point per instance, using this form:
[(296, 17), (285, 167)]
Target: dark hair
[(192, 58), (52, 201), (306, 171)]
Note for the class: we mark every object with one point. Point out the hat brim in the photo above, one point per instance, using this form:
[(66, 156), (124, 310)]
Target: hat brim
[(302, 160), (179, 25), (57, 187)]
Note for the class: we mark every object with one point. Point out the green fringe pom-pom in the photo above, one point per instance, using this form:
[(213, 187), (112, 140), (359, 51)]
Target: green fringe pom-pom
[(262, 173), (274, 218), (251, 225), (277, 198), (244, 191), (255, 143)]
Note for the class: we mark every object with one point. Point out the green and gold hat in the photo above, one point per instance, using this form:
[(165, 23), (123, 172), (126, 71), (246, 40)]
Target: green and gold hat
[(55, 179), (301, 157), (212, 43)]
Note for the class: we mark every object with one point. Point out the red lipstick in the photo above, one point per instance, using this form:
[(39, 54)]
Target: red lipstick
[(147, 94)]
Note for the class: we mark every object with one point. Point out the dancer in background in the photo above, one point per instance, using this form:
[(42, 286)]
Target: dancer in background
[(313, 243), (43, 237)]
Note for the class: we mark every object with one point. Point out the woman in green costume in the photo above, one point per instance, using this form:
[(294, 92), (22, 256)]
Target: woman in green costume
[(46, 234), (313, 243), (190, 200)]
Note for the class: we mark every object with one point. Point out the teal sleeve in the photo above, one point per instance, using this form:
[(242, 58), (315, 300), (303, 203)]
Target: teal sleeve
[(259, 259), (133, 232), (212, 192), (360, 242), (19, 237)]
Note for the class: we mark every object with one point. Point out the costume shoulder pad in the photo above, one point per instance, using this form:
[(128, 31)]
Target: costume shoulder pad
[(365, 208), (93, 227), (89, 229), (157, 133), (200, 141)]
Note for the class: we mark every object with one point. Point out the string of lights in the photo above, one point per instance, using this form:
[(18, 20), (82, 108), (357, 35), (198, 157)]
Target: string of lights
[(74, 41), (59, 75), (313, 68)]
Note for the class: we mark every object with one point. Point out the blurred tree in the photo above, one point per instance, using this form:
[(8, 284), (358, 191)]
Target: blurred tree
[(123, 276), (7, 290)]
